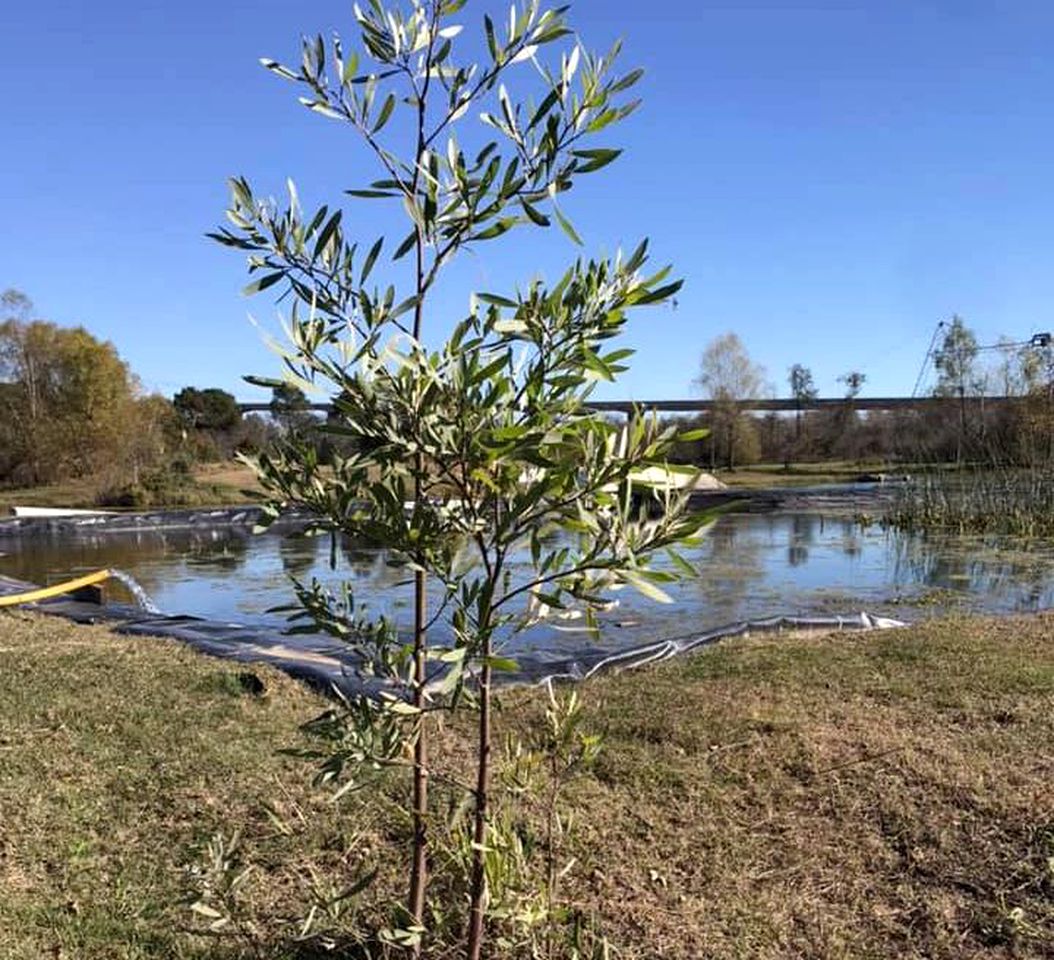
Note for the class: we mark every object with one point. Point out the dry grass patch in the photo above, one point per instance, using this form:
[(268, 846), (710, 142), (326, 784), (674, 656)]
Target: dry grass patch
[(886, 794), (119, 759), (876, 795)]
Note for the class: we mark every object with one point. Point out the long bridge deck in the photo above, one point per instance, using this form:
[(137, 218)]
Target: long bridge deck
[(756, 405)]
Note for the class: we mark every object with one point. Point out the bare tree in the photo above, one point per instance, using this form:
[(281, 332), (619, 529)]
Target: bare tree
[(727, 375)]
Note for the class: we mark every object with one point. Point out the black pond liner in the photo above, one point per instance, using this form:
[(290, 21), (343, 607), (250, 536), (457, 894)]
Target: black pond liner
[(193, 518), (331, 667)]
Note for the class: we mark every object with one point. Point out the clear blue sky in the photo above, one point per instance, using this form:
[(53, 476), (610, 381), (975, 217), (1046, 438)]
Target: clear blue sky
[(830, 178)]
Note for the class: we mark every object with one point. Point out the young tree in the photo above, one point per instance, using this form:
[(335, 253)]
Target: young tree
[(955, 362), (841, 430), (1027, 429), (801, 384), (472, 450), (854, 382), (803, 390), (291, 409), (209, 409), (728, 375)]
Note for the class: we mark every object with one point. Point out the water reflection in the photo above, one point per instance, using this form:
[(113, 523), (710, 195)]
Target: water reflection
[(222, 551), (801, 538), (852, 543), (1014, 574), (299, 553), (730, 566), (751, 565)]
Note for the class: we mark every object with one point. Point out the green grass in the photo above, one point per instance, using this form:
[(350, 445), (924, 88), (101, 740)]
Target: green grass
[(876, 795)]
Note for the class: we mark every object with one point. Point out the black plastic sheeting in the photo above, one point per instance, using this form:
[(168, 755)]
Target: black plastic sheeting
[(330, 667), (666, 649), (93, 524)]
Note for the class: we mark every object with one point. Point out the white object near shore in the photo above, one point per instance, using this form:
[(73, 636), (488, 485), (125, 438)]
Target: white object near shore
[(58, 512), (675, 478)]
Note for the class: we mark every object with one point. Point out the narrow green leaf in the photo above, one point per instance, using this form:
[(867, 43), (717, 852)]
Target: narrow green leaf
[(408, 304), (596, 159), (553, 33), (645, 587), (535, 215), (566, 226), (494, 230), (496, 300), (495, 366), (602, 120), (683, 565), (262, 284), (351, 67), (492, 43), (655, 296), (278, 69), (627, 81), (371, 259), (319, 106), (637, 258), (327, 232), (406, 246), (386, 112), (546, 105)]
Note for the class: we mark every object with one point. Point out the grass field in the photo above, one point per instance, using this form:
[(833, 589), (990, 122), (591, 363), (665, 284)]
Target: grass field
[(801, 474), (211, 484), (877, 795)]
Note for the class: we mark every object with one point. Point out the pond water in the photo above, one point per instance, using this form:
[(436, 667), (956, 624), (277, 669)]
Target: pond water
[(810, 560)]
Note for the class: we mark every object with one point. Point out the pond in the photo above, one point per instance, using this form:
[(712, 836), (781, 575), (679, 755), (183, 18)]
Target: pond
[(813, 558)]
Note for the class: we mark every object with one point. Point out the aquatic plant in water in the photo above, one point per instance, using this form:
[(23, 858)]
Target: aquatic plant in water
[(1014, 502)]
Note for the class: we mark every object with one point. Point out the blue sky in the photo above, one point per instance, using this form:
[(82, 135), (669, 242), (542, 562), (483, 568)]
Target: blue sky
[(830, 178)]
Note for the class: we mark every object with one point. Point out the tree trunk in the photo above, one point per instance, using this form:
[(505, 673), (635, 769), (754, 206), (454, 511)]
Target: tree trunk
[(479, 833), (419, 867)]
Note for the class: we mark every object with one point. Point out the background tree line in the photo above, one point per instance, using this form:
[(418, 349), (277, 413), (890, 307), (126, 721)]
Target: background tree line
[(966, 429), (71, 409)]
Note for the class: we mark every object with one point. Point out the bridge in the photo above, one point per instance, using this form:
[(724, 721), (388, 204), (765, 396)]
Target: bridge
[(789, 405)]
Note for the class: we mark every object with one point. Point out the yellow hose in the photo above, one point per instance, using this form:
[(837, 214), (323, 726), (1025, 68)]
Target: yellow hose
[(57, 590)]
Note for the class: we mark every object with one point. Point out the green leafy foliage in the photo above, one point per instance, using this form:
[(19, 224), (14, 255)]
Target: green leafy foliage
[(468, 452), (70, 407)]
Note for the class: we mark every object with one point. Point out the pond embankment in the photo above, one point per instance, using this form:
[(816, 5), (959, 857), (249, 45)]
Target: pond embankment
[(817, 554), (88, 524)]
